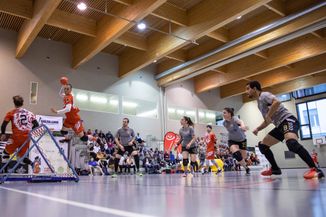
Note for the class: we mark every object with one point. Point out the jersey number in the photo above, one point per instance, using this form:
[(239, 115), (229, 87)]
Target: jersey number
[(23, 120)]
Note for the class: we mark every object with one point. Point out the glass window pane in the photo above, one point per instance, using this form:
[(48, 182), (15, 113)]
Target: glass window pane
[(209, 117), (176, 113), (95, 101), (141, 108), (303, 113), (317, 113), (284, 97), (305, 132)]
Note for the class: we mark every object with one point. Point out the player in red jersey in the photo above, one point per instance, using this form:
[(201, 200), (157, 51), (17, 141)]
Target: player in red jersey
[(72, 120), (210, 140), (22, 122)]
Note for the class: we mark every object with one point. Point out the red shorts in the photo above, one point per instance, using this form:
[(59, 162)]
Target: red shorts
[(16, 143), (210, 155), (75, 125)]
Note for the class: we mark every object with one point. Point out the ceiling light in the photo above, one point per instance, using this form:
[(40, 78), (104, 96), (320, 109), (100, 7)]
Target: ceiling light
[(141, 26), (239, 17), (82, 6), (114, 102)]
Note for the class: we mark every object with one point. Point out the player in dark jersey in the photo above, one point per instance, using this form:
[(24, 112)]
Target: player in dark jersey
[(286, 128)]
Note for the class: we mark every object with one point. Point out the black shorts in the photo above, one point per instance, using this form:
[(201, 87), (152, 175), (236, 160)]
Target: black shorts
[(242, 145), (191, 150), (128, 149), (289, 125)]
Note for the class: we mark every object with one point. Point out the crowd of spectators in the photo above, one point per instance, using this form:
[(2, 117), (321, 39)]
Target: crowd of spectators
[(152, 161)]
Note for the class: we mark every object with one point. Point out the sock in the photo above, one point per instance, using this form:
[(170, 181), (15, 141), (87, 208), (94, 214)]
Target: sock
[(196, 166), (305, 156), (137, 161), (116, 165), (270, 157)]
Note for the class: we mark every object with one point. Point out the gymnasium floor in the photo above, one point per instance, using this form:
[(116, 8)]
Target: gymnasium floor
[(229, 194)]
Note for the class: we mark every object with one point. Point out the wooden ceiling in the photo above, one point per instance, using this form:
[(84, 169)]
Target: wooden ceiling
[(179, 31)]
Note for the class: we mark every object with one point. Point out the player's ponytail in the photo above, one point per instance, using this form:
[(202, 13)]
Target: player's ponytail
[(189, 121)]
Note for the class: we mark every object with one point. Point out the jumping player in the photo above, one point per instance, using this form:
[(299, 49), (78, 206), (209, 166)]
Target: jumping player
[(187, 140), (72, 120), (237, 139), (210, 140), (22, 122), (286, 127)]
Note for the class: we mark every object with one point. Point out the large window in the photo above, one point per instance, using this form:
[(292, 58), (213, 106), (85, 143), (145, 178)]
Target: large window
[(141, 108), (209, 117), (95, 101), (176, 113), (318, 89), (311, 115)]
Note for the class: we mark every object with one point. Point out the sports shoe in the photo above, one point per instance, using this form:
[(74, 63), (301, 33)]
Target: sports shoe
[(313, 173), (64, 140), (247, 171), (270, 172), (218, 171), (114, 175), (184, 175)]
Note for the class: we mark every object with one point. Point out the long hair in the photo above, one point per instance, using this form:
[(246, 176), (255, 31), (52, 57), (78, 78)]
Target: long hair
[(189, 121)]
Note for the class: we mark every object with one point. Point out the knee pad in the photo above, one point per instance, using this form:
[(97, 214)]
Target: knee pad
[(237, 155), (293, 145), (263, 148), (63, 132), (185, 162)]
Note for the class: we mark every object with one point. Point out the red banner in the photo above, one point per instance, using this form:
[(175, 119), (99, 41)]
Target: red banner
[(169, 141)]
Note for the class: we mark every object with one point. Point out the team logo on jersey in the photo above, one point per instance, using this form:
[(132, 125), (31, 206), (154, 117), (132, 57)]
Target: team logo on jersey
[(23, 119)]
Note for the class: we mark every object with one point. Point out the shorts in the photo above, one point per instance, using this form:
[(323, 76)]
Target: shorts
[(289, 125), (191, 150), (18, 141), (210, 155), (75, 125), (242, 145), (128, 149)]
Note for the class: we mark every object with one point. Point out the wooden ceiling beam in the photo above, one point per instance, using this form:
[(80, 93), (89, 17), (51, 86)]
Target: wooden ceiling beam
[(207, 63), (277, 6), (220, 34), (19, 8), (297, 84), (42, 10), (166, 11), (109, 29), (132, 40), (283, 55), (205, 17), (277, 76)]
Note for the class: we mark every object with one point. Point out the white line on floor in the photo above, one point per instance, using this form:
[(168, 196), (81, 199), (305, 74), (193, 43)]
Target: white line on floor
[(79, 204)]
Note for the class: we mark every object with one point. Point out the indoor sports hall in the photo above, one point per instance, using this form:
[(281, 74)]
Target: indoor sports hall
[(162, 108)]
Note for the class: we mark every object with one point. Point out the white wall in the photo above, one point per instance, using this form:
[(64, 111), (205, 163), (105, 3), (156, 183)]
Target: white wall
[(16, 75), (250, 114), (183, 95)]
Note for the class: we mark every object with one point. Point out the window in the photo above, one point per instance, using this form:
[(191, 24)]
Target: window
[(140, 108), (318, 89), (210, 117), (284, 97), (176, 113), (310, 115), (95, 101)]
